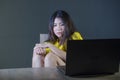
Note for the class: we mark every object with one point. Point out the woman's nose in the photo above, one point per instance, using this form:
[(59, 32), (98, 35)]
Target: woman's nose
[(59, 26)]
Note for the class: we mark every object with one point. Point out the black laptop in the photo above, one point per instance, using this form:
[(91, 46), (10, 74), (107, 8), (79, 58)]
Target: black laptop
[(91, 57)]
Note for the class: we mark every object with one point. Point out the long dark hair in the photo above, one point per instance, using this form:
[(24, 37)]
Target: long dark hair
[(69, 26)]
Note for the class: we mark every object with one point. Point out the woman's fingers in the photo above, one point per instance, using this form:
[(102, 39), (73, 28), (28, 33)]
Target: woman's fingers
[(39, 50), (42, 51), (36, 50)]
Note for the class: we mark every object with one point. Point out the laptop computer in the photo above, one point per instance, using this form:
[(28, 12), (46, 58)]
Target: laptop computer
[(91, 57)]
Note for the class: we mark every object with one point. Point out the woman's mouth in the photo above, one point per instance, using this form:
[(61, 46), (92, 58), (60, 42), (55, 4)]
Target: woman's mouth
[(59, 33)]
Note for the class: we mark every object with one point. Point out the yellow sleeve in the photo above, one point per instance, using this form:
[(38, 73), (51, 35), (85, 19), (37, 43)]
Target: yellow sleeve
[(76, 36), (55, 44), (47, 49)]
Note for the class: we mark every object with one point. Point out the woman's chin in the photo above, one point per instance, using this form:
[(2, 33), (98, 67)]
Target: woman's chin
[(59, 36)]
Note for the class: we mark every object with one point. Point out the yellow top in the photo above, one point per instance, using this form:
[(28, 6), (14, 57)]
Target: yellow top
[(74, 36)]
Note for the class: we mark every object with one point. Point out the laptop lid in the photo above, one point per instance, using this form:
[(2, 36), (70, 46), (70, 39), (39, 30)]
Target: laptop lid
[(98, 56)]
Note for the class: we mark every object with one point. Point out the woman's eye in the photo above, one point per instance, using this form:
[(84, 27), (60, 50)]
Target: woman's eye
[(62, 24)]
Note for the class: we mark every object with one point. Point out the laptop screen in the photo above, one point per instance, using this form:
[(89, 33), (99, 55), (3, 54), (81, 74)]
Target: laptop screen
[(92, 56)]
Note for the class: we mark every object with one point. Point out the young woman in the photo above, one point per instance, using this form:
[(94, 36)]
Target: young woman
[(52, 52)]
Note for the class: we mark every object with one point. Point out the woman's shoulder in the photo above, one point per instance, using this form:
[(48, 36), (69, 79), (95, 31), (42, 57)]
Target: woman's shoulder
[(76, 36)]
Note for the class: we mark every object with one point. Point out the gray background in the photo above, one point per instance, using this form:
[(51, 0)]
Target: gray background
[(21, 22)]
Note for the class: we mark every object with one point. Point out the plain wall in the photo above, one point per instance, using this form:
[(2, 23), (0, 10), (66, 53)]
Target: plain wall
[(22, 21)]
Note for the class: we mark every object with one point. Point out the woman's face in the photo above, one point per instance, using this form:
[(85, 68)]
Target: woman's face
[(58, 27)]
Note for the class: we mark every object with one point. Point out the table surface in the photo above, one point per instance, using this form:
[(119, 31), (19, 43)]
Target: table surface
[(46, 74)]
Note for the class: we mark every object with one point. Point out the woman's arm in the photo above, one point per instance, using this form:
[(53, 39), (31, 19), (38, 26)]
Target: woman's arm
[(56, 51), (39, 50)]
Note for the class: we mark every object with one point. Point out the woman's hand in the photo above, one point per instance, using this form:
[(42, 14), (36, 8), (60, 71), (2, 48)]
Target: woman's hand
[(40, 49), (60, 53)]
